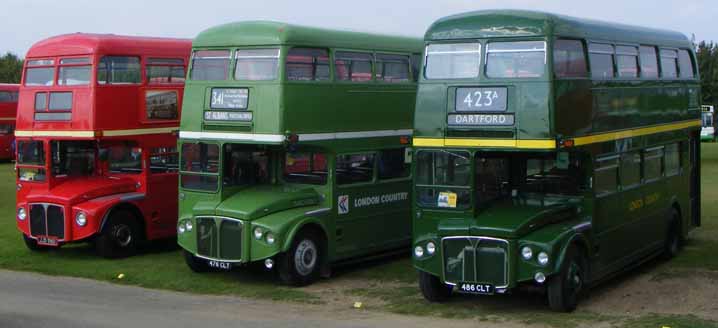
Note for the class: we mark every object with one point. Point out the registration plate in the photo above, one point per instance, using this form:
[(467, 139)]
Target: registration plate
[(47, 241), (220, 265), (471, 288)]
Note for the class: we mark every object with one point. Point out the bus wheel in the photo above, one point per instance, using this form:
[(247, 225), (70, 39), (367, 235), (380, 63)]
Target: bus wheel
[(432, 288), (673, 238), (300, 265), (32, 244), (196, 264), (120, 236), (565, 288)]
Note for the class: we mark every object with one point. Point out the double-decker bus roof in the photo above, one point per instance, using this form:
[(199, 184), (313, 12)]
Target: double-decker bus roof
[(87, 43), (523, 23), (254, 33)]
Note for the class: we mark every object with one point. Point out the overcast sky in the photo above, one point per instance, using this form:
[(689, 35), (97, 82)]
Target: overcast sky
[(24, 22)]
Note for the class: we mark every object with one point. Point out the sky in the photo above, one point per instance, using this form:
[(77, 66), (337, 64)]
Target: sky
[(24, 22)]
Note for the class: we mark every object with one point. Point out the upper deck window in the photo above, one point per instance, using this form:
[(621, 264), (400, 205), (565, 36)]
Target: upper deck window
[(452, 60), (304, 64), (669, 63), (353, 66), (569, 59), (165, 70), (119, 70), (40, 72), (601, 56), (523, 59), (685, 64), (627, 61), (649, 62), (74, 71), (8, 96), (257, 64), (392, 68), (210, 65)]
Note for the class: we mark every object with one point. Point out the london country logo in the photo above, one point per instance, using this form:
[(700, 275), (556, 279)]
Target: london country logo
[(343, 204)]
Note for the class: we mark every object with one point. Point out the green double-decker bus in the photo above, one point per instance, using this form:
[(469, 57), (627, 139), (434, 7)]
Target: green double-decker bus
[(550, 152), (295, 147)]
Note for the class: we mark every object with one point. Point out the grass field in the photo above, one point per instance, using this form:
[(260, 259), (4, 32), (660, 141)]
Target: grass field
[(386, 285)]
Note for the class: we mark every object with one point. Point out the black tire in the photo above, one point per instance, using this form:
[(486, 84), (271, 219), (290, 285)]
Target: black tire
[(120, 236), (32, 244), (432, 288), (196, 264), (301, 264), (566, 287), (673, 236)]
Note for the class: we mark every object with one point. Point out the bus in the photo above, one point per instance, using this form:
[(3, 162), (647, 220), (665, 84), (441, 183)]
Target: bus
[(294, 148), (708, 132), (97, 129), (8, 108), (550, 152)]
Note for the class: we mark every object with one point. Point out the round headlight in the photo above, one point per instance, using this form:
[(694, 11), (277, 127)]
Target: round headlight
[(527, 253), (181, 196), (188, 225), (270, 238), (540, 277), (258, 233), (542, 258), (419, 251), (180, 228), (21, 214), (81, 219), (430, 248)]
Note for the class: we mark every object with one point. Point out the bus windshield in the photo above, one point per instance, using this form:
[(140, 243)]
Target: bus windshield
[(443, 178), (73, 158), (523, 59), (452, 60)]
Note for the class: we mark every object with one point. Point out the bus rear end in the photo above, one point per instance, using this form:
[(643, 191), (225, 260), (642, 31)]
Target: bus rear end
[(8, 108)]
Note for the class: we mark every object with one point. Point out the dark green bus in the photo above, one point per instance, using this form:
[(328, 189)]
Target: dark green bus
[(550, 152), (295, 147)]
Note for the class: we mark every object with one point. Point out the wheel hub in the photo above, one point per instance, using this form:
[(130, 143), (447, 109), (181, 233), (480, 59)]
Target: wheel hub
[(305, 257), (123, 235)]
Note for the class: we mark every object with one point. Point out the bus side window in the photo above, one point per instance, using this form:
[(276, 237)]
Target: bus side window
[(353, 66), (605, 176), (649, 62), (306, 64), (601, 57), (669, 63), (415, 66), (685, 65), (653, 164), (392, 68), (627, 61), (165, 71), (164, 160), (672, 159), (630, 170), (355, 168), (392, 164), (569, 59)]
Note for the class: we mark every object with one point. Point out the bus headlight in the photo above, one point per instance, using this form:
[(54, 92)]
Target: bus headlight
[(419, 251), (270, 238), (81, 218), (180, 228), (430, 248), (527, 253), (21, 214), (542, 258), (258, 233), (188, 225)]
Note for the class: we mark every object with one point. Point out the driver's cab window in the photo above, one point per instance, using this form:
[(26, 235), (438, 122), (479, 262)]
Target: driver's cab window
[(492, 178), (245, 165)]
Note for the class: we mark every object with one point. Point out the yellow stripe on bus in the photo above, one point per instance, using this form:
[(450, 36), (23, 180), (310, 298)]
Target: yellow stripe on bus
[(92, 134), (548, 143)]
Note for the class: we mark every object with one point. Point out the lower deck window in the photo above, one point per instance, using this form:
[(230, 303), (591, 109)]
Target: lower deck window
[(305, 167), (123, 157)]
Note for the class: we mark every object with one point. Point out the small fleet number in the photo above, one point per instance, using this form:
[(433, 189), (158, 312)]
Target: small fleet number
[(483, 98)]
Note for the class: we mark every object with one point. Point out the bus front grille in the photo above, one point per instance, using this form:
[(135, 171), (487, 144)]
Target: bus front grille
[(475, 260), (219, 238), (47, 220)]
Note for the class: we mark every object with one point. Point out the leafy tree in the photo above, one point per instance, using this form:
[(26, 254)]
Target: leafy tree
[(10, 68), (708, 66)]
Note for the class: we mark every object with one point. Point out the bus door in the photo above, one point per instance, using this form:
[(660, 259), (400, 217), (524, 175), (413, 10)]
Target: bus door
[(695, 176), (357, 198)]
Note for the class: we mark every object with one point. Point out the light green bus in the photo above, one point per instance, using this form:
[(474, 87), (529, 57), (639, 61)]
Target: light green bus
[(295, 148)]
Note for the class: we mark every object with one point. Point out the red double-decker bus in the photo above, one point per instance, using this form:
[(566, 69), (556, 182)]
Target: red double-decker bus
[(8, 108), (96, 141)]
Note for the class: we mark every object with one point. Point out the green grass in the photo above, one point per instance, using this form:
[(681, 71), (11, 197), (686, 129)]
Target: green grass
[(392, 284)]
